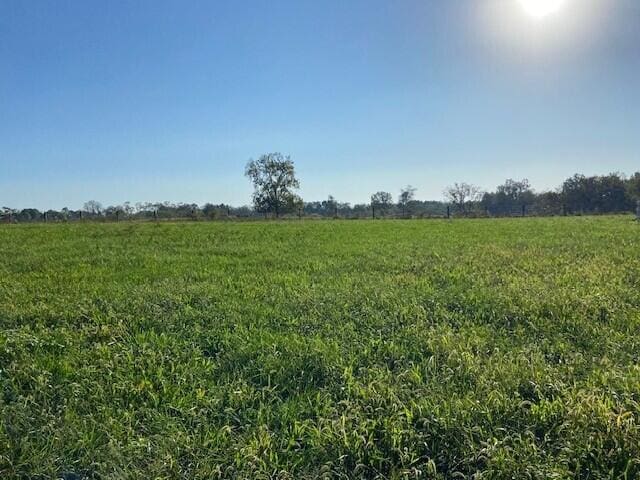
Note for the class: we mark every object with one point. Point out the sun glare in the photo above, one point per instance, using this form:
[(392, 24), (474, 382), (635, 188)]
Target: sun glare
[(541, 8)]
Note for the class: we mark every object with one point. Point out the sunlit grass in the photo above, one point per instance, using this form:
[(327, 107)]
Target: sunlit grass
[(388, 349)]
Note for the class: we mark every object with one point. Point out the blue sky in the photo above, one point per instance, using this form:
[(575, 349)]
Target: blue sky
[(167, 100)]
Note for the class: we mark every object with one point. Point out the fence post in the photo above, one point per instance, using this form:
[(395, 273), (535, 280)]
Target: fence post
[(524, 210), (448, 212), (638, 210)]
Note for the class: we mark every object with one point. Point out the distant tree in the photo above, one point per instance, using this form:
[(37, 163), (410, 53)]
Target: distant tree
[(128, 209), (330, 206), (548, 203), (93, 208), (633, 186), (114, 212), (243, 211), (344, 207), (461, 195), (633, 192), (296, 205), (579, 193), (56, 215), (187, 210), (360, 210), (274, 182), (28, 215), (209, 210), (314, 208), (612, 193), (120, 211), (216, 211), (381, 202), (597, 194), (510, 197), (515, 190), (7, 214), (53, 215), (407, 195), (163, 210)]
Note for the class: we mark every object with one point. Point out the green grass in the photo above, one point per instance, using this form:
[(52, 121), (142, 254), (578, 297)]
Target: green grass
[(505, 348)]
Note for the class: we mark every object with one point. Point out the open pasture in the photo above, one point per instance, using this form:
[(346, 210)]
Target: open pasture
[(506, 348)]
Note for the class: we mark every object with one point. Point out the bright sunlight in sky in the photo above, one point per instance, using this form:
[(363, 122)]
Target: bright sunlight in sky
[(158, 100), (541, 8)]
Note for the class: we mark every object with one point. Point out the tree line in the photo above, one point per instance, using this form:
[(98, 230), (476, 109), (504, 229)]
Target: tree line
[(275, 195)]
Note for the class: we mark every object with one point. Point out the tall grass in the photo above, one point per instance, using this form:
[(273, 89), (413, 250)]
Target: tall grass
[(469, 349)]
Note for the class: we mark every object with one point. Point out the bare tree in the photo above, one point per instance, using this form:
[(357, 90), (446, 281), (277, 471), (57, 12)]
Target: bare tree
[(93, 208), (128, 209), (380, 201), (461, 195), (274, 181), (407, 195)]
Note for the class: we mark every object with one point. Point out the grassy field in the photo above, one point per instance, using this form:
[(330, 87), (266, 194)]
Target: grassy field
[(505, 348)]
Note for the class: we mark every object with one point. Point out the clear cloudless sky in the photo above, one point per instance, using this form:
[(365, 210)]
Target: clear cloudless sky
[(154, 100)]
